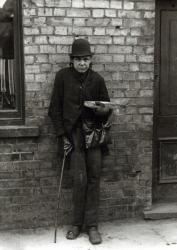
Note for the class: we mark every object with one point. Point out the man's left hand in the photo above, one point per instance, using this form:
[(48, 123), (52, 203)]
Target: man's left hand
[(100, 109)]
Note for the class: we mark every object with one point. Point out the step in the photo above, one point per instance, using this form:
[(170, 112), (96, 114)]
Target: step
[(161, 211)]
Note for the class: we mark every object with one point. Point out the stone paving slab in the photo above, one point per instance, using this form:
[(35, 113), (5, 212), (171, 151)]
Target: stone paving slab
[(120, 234)]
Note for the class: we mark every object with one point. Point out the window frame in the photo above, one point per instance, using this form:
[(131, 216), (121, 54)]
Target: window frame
[(16, 116)]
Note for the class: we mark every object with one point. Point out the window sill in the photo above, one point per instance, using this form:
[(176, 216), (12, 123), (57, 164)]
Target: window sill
[(18, 131)]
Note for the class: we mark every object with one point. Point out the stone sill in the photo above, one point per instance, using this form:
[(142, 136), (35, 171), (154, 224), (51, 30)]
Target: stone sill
[(18, 131)]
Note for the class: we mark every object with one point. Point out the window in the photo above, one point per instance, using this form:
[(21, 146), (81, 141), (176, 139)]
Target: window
[(11, 63)]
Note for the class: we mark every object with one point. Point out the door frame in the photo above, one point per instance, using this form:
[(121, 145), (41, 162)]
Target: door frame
[(155, 160), (156, 89)]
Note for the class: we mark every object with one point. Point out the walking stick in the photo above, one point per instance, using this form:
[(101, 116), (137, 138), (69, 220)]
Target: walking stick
[(58, 197)]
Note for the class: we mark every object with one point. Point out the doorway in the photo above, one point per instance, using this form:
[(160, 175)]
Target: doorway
[(165, 103)]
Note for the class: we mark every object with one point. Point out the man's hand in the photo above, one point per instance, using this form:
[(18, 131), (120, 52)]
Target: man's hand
[(67, 146), (100, 109)]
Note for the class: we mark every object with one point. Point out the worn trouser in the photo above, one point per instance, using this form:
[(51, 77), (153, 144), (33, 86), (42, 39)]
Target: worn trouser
[(85, 166)]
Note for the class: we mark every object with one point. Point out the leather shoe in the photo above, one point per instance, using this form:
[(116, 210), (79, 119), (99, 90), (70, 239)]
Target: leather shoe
[(94, 235), (73, 233)]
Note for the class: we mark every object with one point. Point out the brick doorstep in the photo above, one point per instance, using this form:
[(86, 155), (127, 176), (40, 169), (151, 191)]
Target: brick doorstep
[(161, 211)]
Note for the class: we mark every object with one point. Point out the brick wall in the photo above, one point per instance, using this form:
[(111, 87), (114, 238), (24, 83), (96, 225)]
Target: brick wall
[(122, 37)]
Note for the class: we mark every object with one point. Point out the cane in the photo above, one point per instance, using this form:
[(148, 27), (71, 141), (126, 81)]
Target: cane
[(58, 197)]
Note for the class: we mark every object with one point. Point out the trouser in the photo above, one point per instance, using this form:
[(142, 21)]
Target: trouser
[(85, 166)]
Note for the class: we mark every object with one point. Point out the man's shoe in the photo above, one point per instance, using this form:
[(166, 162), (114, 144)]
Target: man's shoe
[(73, 233), (94, 235)]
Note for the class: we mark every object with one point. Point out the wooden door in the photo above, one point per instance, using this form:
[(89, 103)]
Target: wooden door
[(165, 110)]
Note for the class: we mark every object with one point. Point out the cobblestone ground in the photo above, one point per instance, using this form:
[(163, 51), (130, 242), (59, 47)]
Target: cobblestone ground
[(119, 234)]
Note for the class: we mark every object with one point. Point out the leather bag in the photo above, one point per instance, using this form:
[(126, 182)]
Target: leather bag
[(96, 136)]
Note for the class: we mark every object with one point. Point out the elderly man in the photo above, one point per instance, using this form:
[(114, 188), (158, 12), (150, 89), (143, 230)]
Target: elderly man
[(72, 120)]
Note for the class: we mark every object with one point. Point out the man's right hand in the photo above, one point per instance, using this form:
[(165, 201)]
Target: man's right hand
[(67, 146)]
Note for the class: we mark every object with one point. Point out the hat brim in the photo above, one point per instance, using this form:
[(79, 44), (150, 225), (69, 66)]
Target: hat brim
[(80, 55)]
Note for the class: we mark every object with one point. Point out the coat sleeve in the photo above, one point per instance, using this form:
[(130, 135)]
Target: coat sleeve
[(103, 92), (104, 96), (106, 119), (56, 105)]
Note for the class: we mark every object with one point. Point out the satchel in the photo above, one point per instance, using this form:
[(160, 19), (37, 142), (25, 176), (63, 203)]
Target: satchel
[(96, 136)]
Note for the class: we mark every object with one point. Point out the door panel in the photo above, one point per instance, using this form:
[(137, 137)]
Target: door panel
[(168, 76), (165, 111)]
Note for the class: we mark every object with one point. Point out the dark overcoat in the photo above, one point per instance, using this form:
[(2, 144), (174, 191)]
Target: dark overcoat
[(69, 93)]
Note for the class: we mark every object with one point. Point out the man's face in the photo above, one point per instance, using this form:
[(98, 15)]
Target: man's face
[(81, 64)]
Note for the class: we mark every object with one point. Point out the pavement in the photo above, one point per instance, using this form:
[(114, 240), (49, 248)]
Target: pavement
[(117, 235)]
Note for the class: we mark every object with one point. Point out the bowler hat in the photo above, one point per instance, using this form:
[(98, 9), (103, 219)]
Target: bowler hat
[(80, 47)]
